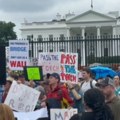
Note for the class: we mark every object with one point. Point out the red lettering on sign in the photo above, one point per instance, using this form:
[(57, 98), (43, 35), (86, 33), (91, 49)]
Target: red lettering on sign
[(52, 68), (68, 59), (17, 63), (68, 77)]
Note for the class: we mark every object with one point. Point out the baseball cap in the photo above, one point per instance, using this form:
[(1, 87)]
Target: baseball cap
[(55, 75), (105, 82)]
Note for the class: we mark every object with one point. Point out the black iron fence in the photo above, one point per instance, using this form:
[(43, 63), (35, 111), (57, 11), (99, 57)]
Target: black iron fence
[(104, 49)]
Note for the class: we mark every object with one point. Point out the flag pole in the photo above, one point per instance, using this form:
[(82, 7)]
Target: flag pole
[(91, 4)]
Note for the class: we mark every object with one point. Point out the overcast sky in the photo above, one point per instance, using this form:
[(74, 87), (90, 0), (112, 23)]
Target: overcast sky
[(45, 10)]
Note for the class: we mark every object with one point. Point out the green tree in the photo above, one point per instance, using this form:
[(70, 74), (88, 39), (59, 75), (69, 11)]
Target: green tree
[(7, 31)]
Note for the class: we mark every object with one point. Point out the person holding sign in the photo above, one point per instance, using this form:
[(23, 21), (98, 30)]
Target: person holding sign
[(77, 95), (88, 82), (58, 92), (7, 86), (21, 79), (58, 96)]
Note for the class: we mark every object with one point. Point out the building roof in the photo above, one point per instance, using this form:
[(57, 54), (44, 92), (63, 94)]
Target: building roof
[(91, 15)]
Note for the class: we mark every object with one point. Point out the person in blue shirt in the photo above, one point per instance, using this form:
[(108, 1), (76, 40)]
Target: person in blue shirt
[(76, 95), (117, 85), (118, 71)]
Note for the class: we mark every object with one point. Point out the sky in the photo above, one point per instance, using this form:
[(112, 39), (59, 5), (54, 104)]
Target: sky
[(17, 11)]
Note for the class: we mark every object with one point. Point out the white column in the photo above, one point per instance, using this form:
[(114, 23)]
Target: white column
[(98, 42), (83, 48), (83, 32), (68, 32), (98, 31), (114, 30)]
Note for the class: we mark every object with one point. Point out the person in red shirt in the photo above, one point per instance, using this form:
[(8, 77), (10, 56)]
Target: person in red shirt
[(58, 96)]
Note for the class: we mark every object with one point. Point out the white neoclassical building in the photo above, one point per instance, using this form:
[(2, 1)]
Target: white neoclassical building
[(89, 23)]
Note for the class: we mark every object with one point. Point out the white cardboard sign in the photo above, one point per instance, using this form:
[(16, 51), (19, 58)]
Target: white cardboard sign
[(41, 113), (62, 114), (18, 54), (22, 98), (50, 62), (69, 67)]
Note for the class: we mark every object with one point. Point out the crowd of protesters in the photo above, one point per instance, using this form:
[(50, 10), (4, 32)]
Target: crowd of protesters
[(94, 99)]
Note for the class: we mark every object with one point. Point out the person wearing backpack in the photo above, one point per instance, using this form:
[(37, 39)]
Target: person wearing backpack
[(58, 92), (88, 82)]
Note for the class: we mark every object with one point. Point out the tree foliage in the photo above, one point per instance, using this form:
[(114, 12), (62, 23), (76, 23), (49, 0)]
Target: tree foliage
[(7, 31)]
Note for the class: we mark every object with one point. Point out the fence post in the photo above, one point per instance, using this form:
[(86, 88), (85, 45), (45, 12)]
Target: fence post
[(83, 61), (32, 55)]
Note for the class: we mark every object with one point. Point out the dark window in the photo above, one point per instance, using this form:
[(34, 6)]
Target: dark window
[(51, 50), (78, 36), (40, 50), (40, 38), (29, 37), (50, 37), (105, 51), (62, 37), (62, 50)]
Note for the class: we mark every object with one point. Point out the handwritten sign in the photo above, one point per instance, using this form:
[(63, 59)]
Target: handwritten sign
[(62, 114), (18, 54), (22, 98), (41, 113), (69, 66), (50, 62)]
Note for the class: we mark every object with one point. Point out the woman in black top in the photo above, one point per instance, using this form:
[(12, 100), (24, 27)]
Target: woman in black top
[(96, 109)]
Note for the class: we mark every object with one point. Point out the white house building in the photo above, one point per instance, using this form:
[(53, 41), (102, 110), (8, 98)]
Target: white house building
[(89, 23)]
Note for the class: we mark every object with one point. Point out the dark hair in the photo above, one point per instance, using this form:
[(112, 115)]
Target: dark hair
[(76, 117), (88, 70), (43, 119), (95, 100), (48, 75)]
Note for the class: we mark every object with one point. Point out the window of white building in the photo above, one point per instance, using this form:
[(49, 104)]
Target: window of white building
[(50, 37), (29, 37), (40, 38), (62, 37), (105, 51)]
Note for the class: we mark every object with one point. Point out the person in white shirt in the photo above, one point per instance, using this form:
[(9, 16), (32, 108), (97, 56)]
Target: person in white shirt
[(88, 82)]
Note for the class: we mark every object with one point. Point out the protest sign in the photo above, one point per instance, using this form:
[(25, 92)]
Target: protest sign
[(69, 66), (18, 54), (41, 113), (22, 98), (33, 73), (62, 114), (50, 62)]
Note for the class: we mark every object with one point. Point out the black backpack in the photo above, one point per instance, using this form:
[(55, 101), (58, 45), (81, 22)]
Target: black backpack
[(90, 84)]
